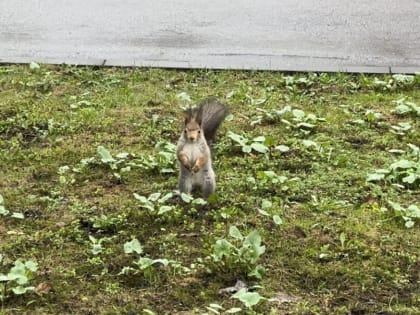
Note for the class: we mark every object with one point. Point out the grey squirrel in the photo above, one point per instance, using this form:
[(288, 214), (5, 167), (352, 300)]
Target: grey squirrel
[(193, 149)]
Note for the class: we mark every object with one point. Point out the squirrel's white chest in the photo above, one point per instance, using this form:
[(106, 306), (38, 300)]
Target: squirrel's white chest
[(193, 150)]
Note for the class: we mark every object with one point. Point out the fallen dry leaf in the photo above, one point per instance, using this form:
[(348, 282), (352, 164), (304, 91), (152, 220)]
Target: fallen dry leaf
[(238, 286), (43, 288), (281, 298)]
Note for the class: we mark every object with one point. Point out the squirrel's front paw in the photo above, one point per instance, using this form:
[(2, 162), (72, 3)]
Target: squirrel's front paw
[(195, 168), (185, 161)]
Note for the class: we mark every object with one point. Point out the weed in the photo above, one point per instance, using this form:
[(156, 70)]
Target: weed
[(256, 144), (241, 252), (17, 280), (404, 172)]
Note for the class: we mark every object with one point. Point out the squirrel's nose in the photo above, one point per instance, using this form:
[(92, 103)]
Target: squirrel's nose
[(192, 138)]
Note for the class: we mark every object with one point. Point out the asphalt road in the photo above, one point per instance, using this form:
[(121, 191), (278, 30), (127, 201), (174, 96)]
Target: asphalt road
[(305, 35)]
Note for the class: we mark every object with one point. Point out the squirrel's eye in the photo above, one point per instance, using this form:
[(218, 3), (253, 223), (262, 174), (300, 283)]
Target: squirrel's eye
[(185, 131), (199, 131)]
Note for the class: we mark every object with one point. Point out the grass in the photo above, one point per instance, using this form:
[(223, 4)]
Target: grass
[(341, 248)]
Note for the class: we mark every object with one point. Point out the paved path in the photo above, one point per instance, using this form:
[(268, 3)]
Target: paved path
[(305, 35)]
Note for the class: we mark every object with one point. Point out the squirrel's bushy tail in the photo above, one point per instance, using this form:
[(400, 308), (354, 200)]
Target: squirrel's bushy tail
[(211, 113)]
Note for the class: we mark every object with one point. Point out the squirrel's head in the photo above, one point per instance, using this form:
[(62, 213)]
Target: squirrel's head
[(192, 130)]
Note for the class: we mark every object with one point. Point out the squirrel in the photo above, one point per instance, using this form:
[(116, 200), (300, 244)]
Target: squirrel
[(193, 149)]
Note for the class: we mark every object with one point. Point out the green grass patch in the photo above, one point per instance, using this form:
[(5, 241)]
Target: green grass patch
[(316, 210)]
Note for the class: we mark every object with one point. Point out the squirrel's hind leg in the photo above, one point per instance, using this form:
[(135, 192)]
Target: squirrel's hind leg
[(209, 186), (185, 184)]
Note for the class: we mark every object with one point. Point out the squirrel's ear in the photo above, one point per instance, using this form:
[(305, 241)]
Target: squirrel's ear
[(198, 120), (199, 116), (188, 115)]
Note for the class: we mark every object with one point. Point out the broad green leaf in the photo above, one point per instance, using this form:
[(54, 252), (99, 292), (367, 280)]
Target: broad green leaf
[(358, 121), (342, 238), (259, 147), (382, 171), (20, 278), (284, 110), (31, 265), (96, 249), (259, 139), (222, 248), (279, 179), (403, 78), (266, 204), (199, 201), (246, 148), (22, 290), (126, 270), (133, 246), (216, 306), (34, 66), (409, 224), (299, 114), (125, 169), (142, 199), (18, 215), (410, 179), (154, 197), (233, 310), (18, 273), (323, 255), (235, 233), (413, 211), (212, 310), (263, 212), (230, 94), (237, 138), (4, 278), (310, 143), (253, 240), (62, 179), (311, 117), (258, 272), (144, 263), (266, 174), (305, 125), (167, 170), (402, 109), (3, 210), (186, 198), (166, 197), (269, 141), (375, 177), (184, 96), (286, 122), (248, 298), (259, 101), (282, 148), (106, 157), (404, 164), (123, 155), (277, 220), (162, 261), (413, 147), (163, 209), (396, 206)]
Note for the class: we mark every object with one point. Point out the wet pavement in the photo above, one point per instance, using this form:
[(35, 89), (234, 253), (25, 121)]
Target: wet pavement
[(306, 35)]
